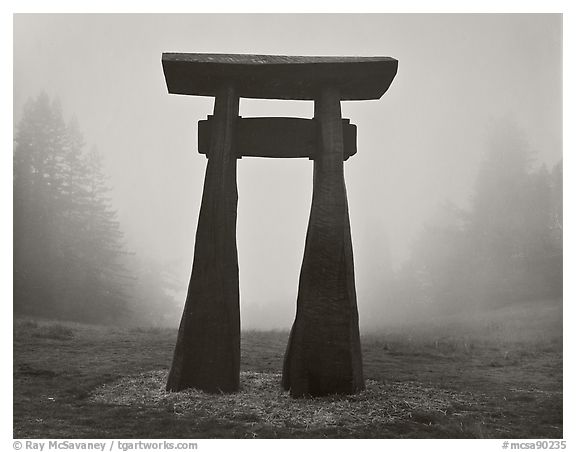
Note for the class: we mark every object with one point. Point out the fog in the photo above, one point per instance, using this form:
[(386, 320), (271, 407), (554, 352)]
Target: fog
[(467, 85)]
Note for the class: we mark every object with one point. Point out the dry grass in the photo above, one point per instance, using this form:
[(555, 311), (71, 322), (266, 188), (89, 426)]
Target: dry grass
[(56, 331), (86, 381), (261, 400)]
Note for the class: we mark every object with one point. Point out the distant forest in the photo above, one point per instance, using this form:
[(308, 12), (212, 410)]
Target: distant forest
[(70, 259), (505, 249), (71, 262)]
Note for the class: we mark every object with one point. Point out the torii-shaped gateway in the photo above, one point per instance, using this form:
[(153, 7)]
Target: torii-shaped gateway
[(323, 354)]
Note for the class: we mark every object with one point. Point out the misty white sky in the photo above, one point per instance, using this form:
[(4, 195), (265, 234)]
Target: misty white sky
[(419, 145)]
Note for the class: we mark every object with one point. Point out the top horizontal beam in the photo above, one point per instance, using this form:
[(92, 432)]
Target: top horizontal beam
[(278, 77)]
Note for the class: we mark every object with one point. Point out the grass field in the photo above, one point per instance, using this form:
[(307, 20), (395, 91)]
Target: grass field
[(501, 378)]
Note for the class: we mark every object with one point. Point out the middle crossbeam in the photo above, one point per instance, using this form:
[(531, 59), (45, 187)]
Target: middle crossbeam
[(276, 137)]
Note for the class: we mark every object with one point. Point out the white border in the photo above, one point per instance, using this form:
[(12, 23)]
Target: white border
[(294, 6)]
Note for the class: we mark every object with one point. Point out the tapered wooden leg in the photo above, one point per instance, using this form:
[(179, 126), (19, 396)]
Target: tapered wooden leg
[(323, 355), (207, 354)]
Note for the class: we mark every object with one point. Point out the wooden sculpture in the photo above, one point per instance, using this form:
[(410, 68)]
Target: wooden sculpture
[(323, 354)]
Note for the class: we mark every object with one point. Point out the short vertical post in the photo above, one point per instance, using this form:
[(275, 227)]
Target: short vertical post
[(323, 355), (207, 354)]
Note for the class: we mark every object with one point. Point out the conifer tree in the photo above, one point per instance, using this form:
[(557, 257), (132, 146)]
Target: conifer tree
[(68, 245)]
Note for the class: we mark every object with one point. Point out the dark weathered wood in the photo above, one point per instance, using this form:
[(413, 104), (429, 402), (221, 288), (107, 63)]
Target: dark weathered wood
[(275, 137), (323, 354), (207, 354), (278, 77)]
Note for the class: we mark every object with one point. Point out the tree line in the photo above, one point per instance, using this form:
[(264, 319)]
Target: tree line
[(71, 261), (70, 258), (504, 249)]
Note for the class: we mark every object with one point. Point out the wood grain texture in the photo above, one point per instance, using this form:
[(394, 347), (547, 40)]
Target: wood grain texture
[(278, 76), (207, 354), (276, 137), (323, 354)]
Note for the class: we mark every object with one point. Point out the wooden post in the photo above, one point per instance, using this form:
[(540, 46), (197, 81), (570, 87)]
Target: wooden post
[(323, 355), (207, 354)]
